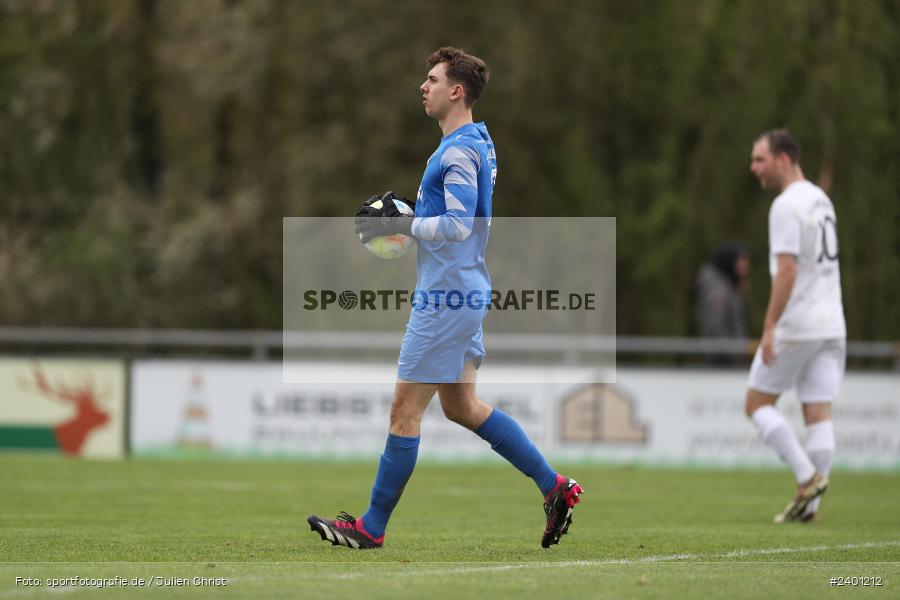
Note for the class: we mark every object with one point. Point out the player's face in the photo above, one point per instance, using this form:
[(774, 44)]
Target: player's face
[(764, 165), (437, 92)]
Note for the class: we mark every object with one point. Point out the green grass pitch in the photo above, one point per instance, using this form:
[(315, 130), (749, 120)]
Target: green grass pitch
[(460, 531)]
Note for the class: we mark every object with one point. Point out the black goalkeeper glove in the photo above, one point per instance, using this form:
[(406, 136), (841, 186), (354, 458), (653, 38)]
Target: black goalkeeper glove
[(374, 222), (364, 208)]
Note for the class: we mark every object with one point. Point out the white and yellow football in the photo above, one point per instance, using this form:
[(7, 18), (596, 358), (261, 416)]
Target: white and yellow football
[(394, 245)]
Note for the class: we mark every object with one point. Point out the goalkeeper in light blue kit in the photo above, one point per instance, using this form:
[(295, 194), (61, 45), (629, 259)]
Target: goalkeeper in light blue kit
[(442, 348)]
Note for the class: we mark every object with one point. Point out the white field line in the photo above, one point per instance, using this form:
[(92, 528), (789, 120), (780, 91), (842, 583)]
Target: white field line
[(494, 568), (658, 558)]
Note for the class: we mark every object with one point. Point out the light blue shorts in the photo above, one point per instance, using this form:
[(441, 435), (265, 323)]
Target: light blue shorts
[(438, 342)]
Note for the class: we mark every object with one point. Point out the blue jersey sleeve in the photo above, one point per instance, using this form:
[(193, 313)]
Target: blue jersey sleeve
[(459, 170)]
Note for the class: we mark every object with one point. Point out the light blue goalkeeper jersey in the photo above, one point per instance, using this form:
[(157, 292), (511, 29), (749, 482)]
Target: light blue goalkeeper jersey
[(453, 210)]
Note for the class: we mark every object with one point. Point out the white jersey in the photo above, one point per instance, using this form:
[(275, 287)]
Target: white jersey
[(802, 222)]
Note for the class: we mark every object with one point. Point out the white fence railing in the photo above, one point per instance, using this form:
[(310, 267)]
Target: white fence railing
[(262, 344)]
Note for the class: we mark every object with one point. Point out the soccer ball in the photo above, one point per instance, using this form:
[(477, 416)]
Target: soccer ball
[(395, 245)]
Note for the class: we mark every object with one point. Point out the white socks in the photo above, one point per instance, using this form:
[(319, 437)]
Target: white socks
[(774, 430), (820, 449)]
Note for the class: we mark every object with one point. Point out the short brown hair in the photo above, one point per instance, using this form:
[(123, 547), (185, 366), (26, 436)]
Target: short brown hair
[(781, 141), (465, 69)]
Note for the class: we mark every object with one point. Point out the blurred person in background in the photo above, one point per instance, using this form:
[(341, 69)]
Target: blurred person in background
[(722, 293), (804, 333)]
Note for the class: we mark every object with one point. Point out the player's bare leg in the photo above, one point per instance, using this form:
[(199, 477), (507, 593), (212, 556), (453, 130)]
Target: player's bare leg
[(819, 446), (463, 406), (396, 466), (409, 404), (756, 400)]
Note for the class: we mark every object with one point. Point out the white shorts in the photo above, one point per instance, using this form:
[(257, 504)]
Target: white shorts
[(816, 367)]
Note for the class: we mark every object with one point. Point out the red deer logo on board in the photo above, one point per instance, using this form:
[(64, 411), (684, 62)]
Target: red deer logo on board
[(71, 435)]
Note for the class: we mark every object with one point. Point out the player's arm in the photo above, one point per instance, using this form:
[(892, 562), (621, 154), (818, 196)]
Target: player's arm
[(782, 285), (784, 243), (459, 170)]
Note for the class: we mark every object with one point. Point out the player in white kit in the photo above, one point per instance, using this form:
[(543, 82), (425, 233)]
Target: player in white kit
[(803, 342)]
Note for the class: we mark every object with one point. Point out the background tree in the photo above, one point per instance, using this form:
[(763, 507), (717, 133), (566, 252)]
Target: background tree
[(148, 150)]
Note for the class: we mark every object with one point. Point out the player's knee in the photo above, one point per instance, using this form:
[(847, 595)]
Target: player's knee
[(468, 414), (463, 413), (750, 405), (755, 401), (749, 408), (402, 414), (816, 412), (457, 414)]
